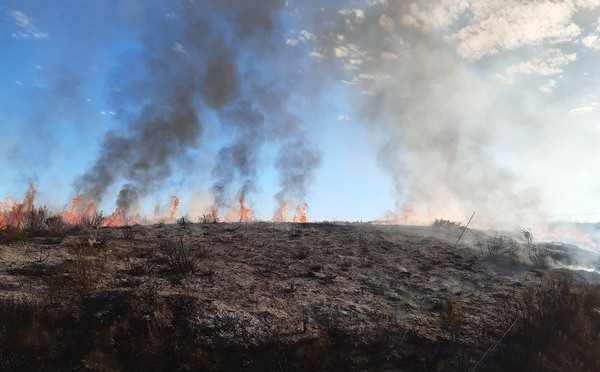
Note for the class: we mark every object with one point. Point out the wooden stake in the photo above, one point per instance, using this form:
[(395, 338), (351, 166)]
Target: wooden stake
[(465, 229)]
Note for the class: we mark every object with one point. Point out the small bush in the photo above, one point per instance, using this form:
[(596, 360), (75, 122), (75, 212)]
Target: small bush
[(183, 221), (446, 224), (182, 259), (558, 327), (55, 224), (499, 247), (93, 220), (536, 254), (11, 234), (452, 316), (34, 220)]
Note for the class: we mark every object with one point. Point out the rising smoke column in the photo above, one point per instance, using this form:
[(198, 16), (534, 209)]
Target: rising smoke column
[(262, 116), (197, 58), (437, 119)]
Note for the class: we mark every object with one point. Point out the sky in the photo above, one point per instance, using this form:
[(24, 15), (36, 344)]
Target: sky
[(357, 108)]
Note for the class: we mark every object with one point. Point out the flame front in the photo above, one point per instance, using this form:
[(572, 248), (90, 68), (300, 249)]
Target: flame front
[(245, 213), (117, 218), (301, 217), (12, 213), (173, 210), (282, 214)]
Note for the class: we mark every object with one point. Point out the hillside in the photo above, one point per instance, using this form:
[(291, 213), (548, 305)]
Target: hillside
[(273, 296)]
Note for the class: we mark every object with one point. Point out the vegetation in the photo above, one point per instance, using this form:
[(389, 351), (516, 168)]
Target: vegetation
[(267, 297)]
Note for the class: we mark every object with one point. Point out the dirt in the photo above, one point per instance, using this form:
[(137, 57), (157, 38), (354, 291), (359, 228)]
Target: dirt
[(295, 285)]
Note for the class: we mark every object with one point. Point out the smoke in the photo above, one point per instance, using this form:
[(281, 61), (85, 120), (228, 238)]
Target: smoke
[(439, 121), (202, 60)]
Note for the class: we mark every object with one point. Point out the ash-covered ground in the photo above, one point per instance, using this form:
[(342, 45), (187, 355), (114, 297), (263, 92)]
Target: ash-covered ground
[(271, 296)]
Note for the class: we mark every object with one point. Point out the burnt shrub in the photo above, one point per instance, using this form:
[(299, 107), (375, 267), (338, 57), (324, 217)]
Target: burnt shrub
[(11, 234), (182, 258), (557, 327), (34, 220), (446, 224), (499, 248), (55, 225)]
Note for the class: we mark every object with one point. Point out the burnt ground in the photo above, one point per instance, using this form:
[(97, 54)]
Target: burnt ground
[(260, 296)]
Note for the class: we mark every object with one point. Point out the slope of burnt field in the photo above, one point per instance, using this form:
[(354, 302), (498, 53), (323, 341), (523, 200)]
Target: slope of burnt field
[(261, 296)]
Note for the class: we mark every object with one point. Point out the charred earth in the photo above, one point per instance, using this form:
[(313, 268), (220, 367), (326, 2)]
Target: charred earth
[(286, 296)]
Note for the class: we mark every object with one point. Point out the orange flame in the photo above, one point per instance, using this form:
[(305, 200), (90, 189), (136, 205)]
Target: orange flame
[(115, 219), (301, 217), (245, 213), (282, 214), (173, 210), (409, 217), (545, 231), (14, 215), (79, 211), (212, 216)]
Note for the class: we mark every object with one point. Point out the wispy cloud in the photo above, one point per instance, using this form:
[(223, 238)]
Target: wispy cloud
[(549, 63), (586, 109), (26, 26)]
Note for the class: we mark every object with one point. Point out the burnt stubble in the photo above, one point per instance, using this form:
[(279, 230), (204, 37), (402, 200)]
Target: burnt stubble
[(287, 296)]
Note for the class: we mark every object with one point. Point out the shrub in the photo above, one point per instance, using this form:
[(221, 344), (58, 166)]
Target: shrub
[(55, 224), (558, 326), (35, 219), (11, 234), (499, 247), (452, 316), (446, 224), (536, 254), (93, 220), (182, 259)]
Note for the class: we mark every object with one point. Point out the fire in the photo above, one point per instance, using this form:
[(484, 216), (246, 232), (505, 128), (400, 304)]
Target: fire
[(13, 213), (245, 213), (115, 219), (409, 216), (282, 214), (570, 233), (173, 210), (301, 217), (79, 211), (212, 216)]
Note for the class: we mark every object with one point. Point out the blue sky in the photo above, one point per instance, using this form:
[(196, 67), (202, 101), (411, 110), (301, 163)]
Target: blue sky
[(355, 107)]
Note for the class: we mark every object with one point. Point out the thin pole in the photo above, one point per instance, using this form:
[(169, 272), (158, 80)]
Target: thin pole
[(465, 229), (496, 344)]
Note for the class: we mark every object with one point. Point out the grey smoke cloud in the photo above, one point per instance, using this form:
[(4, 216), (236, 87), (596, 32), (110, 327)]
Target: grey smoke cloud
[(438, 121), (197, 63)]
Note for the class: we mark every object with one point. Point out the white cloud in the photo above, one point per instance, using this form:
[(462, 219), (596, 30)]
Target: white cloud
[(178, 48), (172, 16), (357, 14), (340, 51), (306, 35), (549, 86), (317, 55), (549, 63), (25, 23), (500, 25), (434, 15), (19, 83), (592, 41), (291, 42), (388, 56), (386, 23), (583, 109), (343, 117)]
